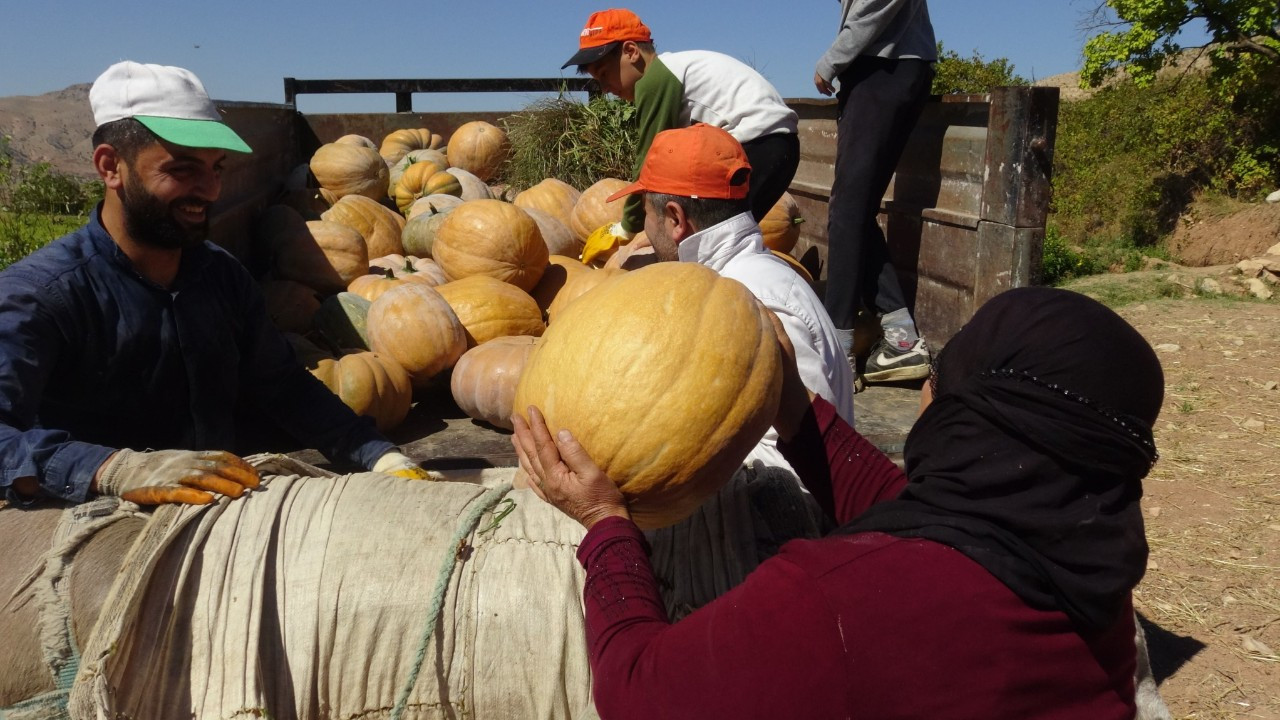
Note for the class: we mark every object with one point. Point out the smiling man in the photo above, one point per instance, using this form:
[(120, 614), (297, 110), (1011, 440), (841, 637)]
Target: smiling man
[(134, 333)]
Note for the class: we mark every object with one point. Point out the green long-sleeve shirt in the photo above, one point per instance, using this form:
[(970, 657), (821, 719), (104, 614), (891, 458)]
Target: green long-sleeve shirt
[(682, 88)]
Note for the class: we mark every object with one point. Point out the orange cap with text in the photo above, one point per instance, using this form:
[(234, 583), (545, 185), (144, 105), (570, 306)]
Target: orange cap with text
[(605, 28), (699, 161)]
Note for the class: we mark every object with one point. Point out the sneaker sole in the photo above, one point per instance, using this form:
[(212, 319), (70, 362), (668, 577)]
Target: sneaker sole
[(910, 372)]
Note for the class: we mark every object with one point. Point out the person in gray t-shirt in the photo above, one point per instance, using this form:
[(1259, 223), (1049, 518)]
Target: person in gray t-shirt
[(880, 67)]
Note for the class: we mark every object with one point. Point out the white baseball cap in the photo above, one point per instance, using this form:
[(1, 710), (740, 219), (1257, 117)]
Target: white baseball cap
[(169, 101)]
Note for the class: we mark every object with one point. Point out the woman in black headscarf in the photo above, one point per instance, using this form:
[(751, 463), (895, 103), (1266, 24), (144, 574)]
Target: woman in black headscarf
[(995, 582)]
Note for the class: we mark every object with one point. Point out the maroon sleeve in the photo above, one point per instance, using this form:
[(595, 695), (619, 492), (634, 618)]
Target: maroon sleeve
[(767, 648), (843, 470)]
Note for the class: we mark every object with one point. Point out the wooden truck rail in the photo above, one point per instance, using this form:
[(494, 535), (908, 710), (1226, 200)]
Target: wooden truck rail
[(965, 213)]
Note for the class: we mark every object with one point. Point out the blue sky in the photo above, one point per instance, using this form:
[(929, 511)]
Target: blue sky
[(242, 50)]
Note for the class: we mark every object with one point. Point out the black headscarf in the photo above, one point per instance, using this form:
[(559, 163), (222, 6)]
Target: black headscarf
[(1031, 456)]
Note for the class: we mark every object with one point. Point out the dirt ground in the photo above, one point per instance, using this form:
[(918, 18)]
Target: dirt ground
[(1211, 596), (1223, 234)]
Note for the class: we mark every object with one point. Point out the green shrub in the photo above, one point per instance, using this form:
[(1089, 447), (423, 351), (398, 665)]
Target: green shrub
[(1129, 160), (38, 205), (1061, 262), (973, 75), (579, 143), (23, 233), (41, 189)]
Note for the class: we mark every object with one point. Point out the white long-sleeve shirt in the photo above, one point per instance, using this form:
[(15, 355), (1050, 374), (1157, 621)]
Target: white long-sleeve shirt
[(735, 249)]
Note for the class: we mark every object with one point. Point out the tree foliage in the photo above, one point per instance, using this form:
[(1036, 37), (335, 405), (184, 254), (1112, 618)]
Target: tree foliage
[(972, 75), (1130, 159), (1244, 38)]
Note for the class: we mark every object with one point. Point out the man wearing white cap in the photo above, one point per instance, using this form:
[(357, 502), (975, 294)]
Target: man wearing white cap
[(134, 333)]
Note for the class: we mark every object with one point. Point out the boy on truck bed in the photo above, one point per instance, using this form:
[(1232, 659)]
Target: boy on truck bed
[(676, 89)]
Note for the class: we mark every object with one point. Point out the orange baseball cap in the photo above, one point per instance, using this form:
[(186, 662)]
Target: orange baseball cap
[(699, 161), (603, 32)]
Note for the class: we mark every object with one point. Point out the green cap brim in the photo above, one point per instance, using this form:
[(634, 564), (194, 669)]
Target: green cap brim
[(194, 133)]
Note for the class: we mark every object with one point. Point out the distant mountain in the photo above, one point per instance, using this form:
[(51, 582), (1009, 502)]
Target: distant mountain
[(55, 128)]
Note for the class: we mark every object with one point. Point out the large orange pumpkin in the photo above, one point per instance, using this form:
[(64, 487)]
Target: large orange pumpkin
[(414, 326), (559, 239), (404, 265), (472, 187), (432, 205), (295, 254), (478, 147), (379, 225), (346, 169), (669, 402), (399, 143), (343, 246), (490, 237), (358, 140), (489, 308), (370, 385), (559, 270), (414, 156), (372, 286), (575, 286), (422, 179), (591, 211), (781, 226), (484, 380), (552, 196)]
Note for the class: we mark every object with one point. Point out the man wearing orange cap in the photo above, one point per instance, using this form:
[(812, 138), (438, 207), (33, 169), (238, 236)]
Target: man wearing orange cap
[(134, 332), (694, 189), (676, 89)]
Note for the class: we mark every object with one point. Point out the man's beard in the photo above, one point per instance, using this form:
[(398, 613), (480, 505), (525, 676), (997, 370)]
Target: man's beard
[(149, 221)]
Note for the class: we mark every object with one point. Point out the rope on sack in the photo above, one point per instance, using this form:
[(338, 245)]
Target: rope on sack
[(466, 527)]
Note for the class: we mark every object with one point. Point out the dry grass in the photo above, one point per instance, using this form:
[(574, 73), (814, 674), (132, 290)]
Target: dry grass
[(1213, 508)]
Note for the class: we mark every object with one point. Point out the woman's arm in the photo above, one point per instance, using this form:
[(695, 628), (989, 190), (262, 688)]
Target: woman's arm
[(844, 471)]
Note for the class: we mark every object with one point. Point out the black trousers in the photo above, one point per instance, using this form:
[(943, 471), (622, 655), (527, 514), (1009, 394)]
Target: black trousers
[(774, 159), (879, 102)]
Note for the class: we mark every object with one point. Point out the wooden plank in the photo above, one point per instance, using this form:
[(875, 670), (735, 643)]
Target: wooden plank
[(407, 87), (1005, 258), (941, 310), (949, 255), (1019, 162)]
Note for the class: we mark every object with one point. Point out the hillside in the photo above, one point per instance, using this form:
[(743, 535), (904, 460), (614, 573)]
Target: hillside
[(53, 128)]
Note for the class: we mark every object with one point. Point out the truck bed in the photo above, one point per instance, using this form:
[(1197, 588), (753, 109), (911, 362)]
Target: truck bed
[(441, 437)]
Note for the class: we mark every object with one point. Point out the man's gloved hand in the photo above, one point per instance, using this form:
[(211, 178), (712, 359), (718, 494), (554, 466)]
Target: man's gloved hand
[(602, 243), (175, 476), (394, 463)]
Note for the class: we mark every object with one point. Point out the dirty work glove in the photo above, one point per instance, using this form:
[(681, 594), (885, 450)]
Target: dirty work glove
[(602, 243), (175, 476), (393, 463)]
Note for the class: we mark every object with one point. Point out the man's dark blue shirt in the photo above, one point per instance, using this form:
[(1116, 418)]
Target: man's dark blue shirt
[(94, 357)]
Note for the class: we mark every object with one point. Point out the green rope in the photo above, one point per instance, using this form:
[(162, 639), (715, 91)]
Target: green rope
[(454, 552)]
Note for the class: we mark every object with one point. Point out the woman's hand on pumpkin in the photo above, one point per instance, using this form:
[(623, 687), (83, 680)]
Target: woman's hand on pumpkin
[(561, 473)]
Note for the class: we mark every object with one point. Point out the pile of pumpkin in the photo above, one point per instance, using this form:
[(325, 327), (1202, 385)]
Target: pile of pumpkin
[(396, 268)]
